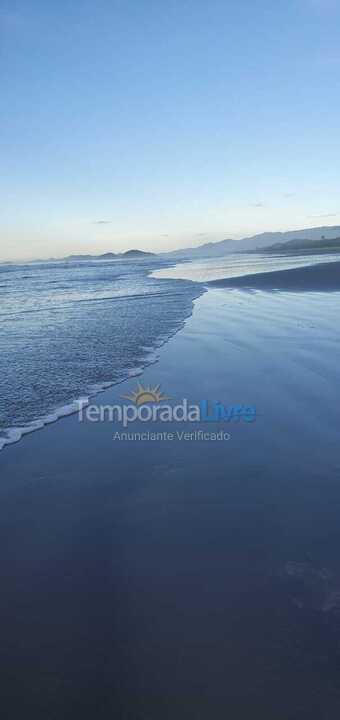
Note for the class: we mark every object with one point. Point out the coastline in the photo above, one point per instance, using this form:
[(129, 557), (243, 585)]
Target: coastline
[(156, 568), (77, 328), (147, 356), (323, 277)]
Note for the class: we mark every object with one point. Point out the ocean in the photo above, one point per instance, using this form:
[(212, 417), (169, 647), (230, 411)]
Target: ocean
[(71, 329), (170, 578)]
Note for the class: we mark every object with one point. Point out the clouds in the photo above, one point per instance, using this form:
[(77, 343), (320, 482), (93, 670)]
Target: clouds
[(262, 204), (102, 222), (325, 215)]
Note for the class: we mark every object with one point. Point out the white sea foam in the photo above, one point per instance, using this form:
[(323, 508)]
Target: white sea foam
[(12, 435), (59, 341)]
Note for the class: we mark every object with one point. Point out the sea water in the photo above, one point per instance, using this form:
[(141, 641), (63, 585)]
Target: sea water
[(70, 329)]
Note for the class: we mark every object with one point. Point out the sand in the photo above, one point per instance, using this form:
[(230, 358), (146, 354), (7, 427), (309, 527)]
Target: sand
[(149, 579), (323, 277)]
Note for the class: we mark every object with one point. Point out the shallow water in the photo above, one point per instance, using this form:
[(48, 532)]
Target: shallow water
[(237, 264), (186, 579), (69, 329)]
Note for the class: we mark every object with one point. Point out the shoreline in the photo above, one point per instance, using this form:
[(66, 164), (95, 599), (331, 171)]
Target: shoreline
[(320, 277), (14, 434), (131, 566)]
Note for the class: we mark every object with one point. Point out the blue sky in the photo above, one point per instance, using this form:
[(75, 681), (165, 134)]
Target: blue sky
[(150, 124)]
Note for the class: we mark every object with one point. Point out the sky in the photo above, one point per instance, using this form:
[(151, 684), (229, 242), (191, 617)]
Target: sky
[(157, 125)]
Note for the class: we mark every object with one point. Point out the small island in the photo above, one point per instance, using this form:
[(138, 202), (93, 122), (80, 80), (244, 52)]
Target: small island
[(133, 254)]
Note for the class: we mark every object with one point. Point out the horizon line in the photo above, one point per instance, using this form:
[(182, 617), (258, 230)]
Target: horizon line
[(163, 252)]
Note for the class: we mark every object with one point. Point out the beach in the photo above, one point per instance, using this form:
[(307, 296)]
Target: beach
[(190, 578), (323, 277)]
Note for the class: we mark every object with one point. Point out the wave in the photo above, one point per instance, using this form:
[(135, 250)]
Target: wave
[(11, 435), (148, 356)]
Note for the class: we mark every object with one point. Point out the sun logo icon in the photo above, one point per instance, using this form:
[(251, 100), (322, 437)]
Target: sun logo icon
[(144, 395)]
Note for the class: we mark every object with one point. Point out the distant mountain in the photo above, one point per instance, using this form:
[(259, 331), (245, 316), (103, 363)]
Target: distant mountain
[(136, 253), (211, 249), (303, 245), (255, 243), (111, 256), (219, 249)]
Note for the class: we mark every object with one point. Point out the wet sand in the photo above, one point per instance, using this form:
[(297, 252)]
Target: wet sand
[(324, 277), (193, 580)]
